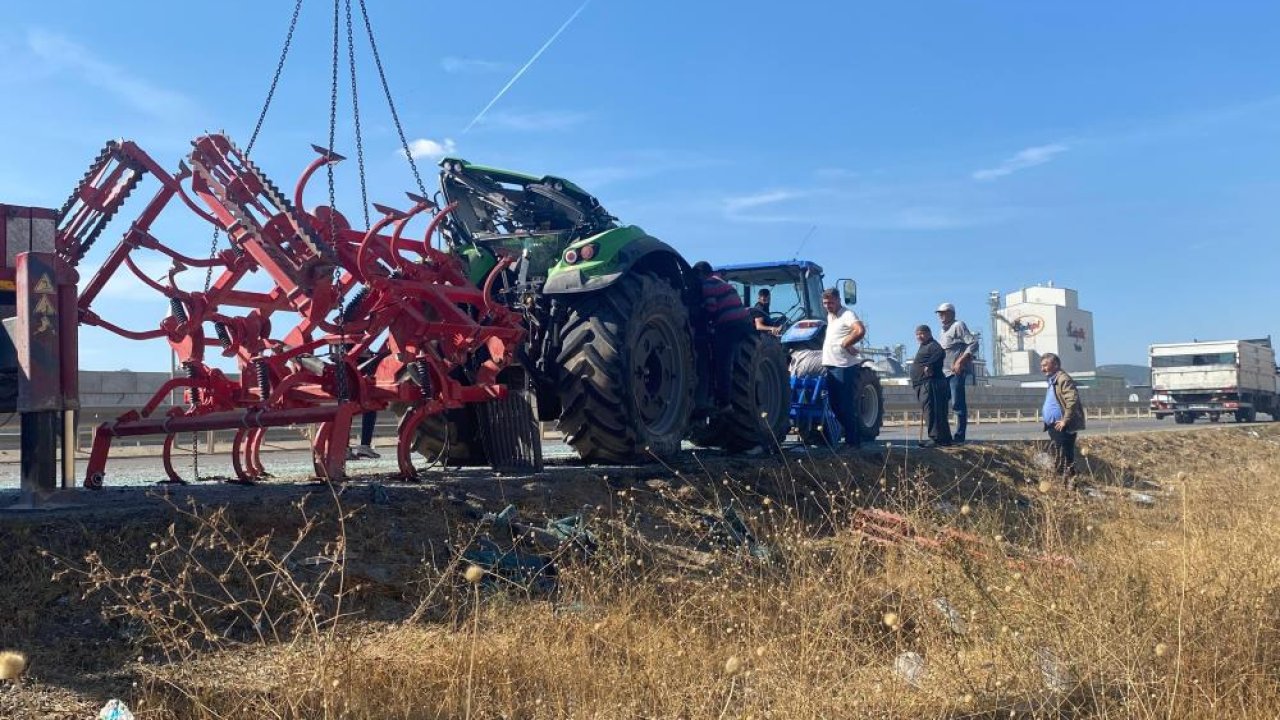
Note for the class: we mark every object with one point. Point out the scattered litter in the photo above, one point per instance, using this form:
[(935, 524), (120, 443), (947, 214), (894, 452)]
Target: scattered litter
[(1254, 433), (378, 494), (1058, 678), (1142, 499), (115, 710), (731, 529), (910, 667), (954, 619), (945, 508), (1042, 460), (536, 571)]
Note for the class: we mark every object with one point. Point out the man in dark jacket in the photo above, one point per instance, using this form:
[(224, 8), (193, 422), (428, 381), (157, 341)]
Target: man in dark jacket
[(1063, 414), (930, 382)]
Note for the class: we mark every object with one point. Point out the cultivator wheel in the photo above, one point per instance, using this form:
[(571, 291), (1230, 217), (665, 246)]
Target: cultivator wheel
[(760, 400), (627, 383)]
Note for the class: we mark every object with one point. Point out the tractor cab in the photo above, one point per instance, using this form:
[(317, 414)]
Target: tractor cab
[(505, 212), (795, 287)]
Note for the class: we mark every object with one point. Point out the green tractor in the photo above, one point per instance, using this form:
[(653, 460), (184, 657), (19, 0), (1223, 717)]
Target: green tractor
[(614, 354)]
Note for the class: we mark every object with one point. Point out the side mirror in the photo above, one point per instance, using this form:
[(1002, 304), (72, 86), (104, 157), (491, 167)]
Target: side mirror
[(849, 291)]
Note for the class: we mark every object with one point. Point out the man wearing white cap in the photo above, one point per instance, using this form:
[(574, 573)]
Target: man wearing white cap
[(960, 346)]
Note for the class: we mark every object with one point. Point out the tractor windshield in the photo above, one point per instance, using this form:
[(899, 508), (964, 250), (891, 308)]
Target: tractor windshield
[(796, 291)]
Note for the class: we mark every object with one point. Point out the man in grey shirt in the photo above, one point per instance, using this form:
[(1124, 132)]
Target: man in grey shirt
[(961, 347)]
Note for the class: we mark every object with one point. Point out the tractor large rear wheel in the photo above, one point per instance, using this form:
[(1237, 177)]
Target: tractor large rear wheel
[(627, 378), (761, 400)]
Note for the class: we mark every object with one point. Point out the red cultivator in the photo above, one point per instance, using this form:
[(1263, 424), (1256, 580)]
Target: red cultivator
[(412, 323)]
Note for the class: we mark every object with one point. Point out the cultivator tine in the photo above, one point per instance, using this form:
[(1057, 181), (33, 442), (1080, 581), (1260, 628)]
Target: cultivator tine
[(330, 156), (166, 455), (421, 200), (389, 211), (238, 459)]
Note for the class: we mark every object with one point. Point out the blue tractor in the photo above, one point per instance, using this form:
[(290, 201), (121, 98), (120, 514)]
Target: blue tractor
[(796, 289)]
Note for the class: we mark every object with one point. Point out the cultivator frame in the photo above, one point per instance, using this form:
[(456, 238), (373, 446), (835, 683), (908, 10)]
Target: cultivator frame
[(410, 326)]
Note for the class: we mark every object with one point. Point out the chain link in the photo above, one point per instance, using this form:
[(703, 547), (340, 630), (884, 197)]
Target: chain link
[(355, 111), (339, 364), (275, 79), (391, 104)]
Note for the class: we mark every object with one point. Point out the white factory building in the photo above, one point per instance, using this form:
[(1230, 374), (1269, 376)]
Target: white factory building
[(1038, 320)]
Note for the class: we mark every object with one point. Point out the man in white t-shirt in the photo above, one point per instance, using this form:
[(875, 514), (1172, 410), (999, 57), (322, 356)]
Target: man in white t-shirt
[(840, 358)]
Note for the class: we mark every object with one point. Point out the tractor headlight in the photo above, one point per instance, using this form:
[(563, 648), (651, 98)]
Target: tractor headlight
[(571, 256), (588, 252)]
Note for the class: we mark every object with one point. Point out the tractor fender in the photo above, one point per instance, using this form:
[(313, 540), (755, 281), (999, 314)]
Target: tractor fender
[(620, 251)]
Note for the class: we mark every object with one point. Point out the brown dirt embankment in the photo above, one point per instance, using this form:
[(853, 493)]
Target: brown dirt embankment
[(670, 615)]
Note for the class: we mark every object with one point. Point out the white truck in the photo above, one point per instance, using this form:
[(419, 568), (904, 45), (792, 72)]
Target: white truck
[(1212, 379)]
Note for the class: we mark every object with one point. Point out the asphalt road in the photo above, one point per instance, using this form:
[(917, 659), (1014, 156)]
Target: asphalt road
[(296, 464)]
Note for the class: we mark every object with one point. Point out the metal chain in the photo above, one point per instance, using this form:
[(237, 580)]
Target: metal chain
[(275, 79), (355, 111), (386, 90), (339, 364)]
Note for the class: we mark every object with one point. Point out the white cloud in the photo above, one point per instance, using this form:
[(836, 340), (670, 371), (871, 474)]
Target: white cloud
[(534, 121), (470, 66), (431, 149), (862, 208), (1023, 159), (59, 52), (735, 206)]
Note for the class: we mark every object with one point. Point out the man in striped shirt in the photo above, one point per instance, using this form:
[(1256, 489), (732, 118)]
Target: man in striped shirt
[(729, 323)]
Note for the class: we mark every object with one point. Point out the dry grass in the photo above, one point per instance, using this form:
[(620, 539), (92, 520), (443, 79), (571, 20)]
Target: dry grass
[(1170, 611)]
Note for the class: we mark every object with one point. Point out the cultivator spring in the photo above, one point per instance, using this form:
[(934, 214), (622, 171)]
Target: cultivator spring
[(303, 358)]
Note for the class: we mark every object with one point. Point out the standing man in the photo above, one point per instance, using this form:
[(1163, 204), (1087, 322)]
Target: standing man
[(729, 323), (760, 314), (930, 382), (1063, 415), (960, 346), (840, 358)]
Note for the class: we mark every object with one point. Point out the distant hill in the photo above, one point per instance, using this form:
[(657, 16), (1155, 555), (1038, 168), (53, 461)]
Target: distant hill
[(1132, 374)]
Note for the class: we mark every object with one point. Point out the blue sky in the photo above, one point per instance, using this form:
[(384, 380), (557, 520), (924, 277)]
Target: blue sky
[(943, 150)]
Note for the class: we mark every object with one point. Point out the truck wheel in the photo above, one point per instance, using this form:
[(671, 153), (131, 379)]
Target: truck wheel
[(627, 378), (868, 402), (1214, 417), (1246, 415), (761, 400)]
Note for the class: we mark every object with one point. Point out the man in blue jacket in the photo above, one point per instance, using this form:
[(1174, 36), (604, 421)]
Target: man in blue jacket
[(1063, 415)]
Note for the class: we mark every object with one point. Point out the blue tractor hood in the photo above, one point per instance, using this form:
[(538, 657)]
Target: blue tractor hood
[(804, 331)]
